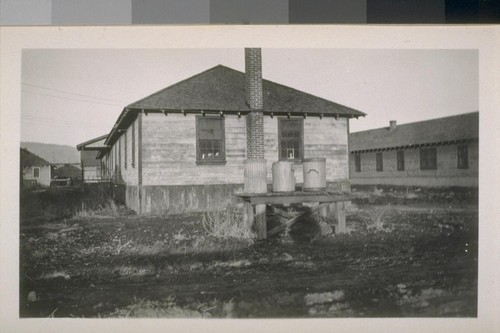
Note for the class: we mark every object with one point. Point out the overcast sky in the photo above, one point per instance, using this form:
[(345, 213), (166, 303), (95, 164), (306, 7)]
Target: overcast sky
[(71, 96)]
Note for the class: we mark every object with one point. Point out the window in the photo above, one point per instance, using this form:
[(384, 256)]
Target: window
[(463, 157), (120, 152), (36, 172), (380, 162), (133, 145), (125, 150), (210, 137), (428, 160), (357, 162), (401, 160), (291, 134)]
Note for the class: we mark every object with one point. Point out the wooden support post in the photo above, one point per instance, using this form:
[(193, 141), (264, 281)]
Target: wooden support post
[(260, 221), (323, 211), (248, 217), (340, 215)]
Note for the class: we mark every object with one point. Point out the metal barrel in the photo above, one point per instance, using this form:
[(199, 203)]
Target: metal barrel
[(314, 174), (255, 178), (283, 176)]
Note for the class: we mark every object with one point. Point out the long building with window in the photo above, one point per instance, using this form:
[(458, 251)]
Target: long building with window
[(436, 152), (184, 148)]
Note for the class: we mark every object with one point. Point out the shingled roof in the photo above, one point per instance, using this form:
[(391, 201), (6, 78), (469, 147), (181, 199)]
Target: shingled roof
[(28, 159), (222, 89), (460, 128)]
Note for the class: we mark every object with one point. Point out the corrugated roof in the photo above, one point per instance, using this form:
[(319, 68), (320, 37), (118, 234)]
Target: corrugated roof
[(448, 129), (223, 89), (29, 159)]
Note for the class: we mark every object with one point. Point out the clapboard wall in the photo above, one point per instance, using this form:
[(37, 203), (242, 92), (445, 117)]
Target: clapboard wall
[(447, 172), (167, 179)]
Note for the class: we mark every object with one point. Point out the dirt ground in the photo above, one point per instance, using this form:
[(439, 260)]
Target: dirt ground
[(397, 261)]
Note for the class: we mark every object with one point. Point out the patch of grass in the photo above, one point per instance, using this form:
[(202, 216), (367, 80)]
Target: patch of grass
[(106, 210), (378, 219), (168, 308), (227, 223)]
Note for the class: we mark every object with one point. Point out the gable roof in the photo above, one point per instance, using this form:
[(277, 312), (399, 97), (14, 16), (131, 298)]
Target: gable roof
[(93, 144), (460, 128), (222, 89), (29, 159)]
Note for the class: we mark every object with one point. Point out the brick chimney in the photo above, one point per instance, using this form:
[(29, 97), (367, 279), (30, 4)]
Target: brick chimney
[(392, 125), (255, 165), (254, 100)]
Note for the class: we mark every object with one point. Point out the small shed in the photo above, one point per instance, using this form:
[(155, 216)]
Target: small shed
[(436, 152), (36, 172)]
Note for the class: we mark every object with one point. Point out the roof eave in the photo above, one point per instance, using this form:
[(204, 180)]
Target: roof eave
[(83, 144)]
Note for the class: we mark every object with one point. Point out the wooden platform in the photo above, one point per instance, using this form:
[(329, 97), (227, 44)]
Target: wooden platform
[(255, 207)]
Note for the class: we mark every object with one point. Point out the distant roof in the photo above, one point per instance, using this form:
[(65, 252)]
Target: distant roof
[(464, 127), (223, 89), (29, 159), (96, 143)]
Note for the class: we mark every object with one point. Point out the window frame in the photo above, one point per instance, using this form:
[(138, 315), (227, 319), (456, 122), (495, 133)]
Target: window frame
[(38, 170), (465, 156), (400, 160), (424, 158), (357, 162), (125, 149), (133, 145), (379, 161), (281, 120), (215, 161)]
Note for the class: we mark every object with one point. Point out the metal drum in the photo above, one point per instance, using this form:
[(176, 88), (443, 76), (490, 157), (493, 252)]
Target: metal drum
[(255, 176), (283, 176), (314, 174)]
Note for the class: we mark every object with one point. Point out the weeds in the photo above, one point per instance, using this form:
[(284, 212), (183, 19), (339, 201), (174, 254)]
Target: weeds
[(377, 220), (226, 223), (168, 308), (109, 209)]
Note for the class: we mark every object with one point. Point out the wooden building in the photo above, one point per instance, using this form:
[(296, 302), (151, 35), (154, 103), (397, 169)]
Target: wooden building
[(436, 152), (35, 171), (90, 165), (187, 147)]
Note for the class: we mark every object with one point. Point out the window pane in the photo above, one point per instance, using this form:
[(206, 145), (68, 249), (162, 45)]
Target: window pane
[(210, 136), (463, 157), (290, 138), (379, 161), (401, 160), (357, 162)]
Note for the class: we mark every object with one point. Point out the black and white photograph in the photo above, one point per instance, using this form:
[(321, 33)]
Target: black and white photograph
[(248, 182)]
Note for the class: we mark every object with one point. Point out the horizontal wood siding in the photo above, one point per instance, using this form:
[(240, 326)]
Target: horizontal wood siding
[(44, 176), (169, 152), (325, 138), (115, 162), (446, 174), (130, 173)]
